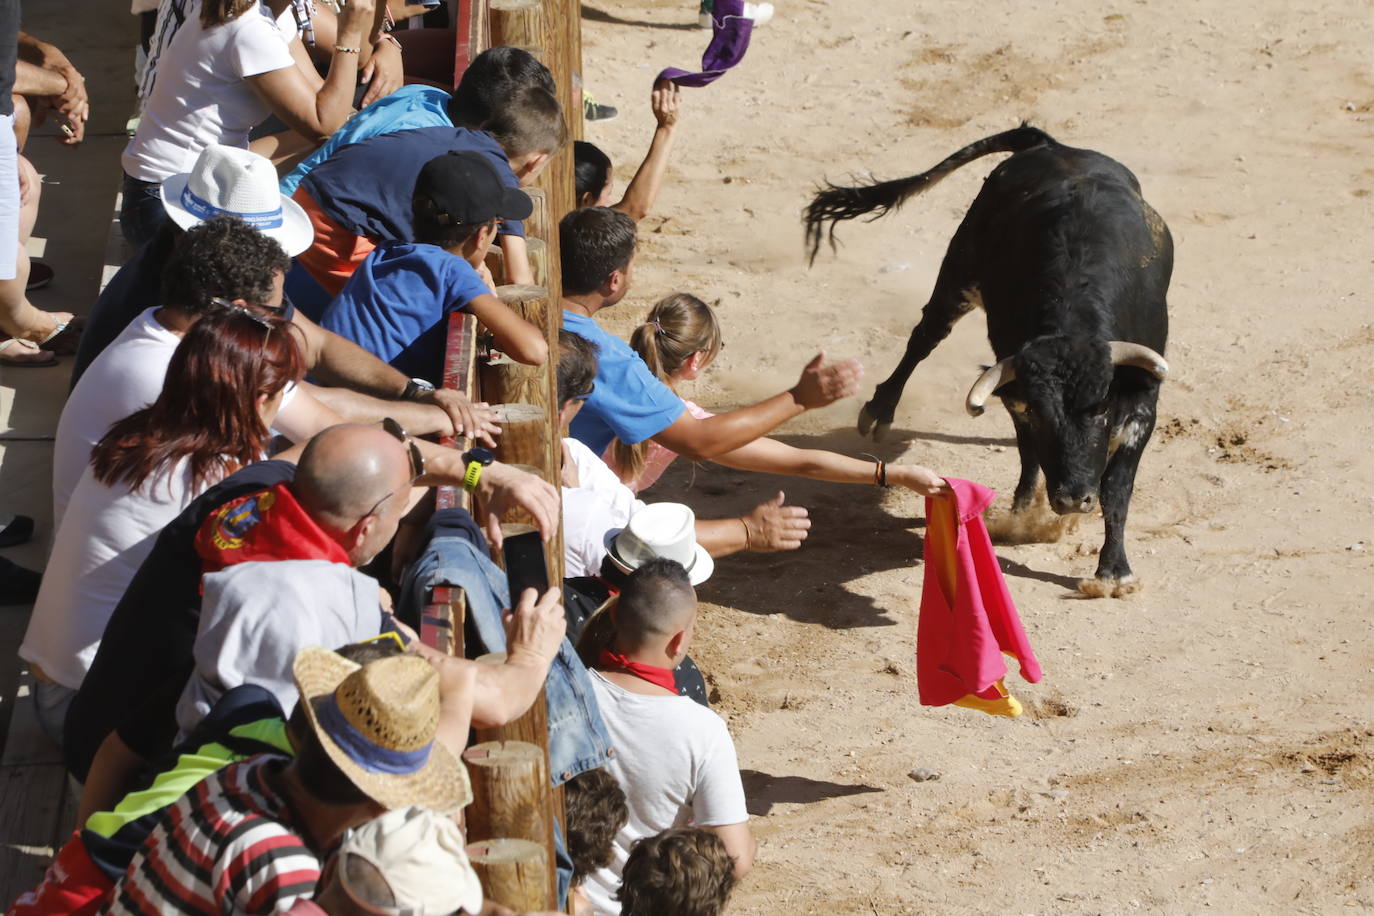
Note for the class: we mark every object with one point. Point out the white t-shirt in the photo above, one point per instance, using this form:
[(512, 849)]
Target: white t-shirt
[(100, 544), (600, 502), (201, 95), (127, 376), (256, 616), (676, 762)]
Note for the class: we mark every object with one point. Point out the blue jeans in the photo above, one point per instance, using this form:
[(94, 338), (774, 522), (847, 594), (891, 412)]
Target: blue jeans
[(577, 737), (141, 211)]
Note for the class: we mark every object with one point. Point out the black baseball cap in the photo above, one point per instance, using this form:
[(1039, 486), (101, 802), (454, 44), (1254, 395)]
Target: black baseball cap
[(467, 186)]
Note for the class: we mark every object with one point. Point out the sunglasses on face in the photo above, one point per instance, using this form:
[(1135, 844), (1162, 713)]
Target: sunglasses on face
[(590, 391)]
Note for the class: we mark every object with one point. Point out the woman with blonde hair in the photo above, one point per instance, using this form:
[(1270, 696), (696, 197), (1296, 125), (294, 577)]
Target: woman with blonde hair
[(677, 341)]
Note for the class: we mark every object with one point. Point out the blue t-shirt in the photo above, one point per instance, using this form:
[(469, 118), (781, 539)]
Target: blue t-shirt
[(407, 108), (367, 186), (397, 302), (629, 402)]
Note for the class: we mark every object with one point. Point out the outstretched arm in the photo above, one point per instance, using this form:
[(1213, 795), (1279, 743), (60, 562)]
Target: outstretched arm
[(820, 385), (772, 526), (644, 187), (773, 457)]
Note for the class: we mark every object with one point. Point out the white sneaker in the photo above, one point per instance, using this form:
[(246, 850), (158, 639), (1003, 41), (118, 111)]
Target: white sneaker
[(761, 13)]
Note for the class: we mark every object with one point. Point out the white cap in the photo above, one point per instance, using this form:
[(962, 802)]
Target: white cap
[(236, 182), (420, 854), (666, 530)]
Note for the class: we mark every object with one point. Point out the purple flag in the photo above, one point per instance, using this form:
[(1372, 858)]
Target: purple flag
[(729, 41)]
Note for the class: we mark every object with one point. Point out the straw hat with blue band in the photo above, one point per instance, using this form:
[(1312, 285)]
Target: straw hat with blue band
[(377, 724), (229, 181)]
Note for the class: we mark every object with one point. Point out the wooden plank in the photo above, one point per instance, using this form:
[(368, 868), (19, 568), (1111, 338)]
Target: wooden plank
[(32, 807)]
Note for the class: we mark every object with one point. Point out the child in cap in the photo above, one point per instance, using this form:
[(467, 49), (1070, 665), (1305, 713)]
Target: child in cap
[(396, 305)]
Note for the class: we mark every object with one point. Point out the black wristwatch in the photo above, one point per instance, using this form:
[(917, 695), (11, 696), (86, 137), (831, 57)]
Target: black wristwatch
[(475, 458), (415, 389)]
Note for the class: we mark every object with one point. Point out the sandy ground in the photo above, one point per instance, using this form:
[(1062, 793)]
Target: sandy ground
[(1205, 745)]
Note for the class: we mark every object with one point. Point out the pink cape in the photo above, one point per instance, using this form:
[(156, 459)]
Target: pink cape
[(967, 617)]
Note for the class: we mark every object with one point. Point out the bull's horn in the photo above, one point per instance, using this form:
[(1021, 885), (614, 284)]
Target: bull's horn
[(1140, 356), (993, 377)]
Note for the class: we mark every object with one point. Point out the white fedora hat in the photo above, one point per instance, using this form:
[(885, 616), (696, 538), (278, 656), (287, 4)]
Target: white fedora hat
[(236, 182), (662, 530)]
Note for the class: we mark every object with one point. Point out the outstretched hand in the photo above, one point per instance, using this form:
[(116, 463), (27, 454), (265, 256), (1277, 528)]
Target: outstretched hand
[(914, 477), (663, 102), (821, 385), (503, 487), (472, 421), (774, 526)]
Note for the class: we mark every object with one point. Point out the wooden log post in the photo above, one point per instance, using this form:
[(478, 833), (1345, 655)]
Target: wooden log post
[(514, 873), (537, 226), (510, 790), (516, 22)]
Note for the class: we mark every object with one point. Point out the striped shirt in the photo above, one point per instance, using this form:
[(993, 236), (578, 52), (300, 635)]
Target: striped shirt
[(227, 846)]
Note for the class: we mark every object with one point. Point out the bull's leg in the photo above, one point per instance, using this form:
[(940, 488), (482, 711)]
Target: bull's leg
[(1114, 577), (1030, 463), (947, 305)]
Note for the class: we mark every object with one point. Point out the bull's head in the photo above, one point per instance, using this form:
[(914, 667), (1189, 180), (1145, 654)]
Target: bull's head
[(1065, 388)]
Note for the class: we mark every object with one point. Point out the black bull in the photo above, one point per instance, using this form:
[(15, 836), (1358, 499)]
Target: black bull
[(1071, 267)]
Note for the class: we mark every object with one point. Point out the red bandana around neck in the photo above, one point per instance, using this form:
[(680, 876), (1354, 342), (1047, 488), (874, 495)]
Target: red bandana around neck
[(662, 677), (266, 525)]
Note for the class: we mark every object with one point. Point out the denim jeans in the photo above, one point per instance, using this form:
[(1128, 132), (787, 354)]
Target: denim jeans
[(141, 211), (577, 737)]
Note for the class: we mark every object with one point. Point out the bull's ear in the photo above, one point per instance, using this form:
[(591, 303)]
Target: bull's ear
[(993, 377), (1140, 356)]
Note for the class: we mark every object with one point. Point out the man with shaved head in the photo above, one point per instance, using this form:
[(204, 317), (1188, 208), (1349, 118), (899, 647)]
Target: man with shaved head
[(674, 757), (270, 554)]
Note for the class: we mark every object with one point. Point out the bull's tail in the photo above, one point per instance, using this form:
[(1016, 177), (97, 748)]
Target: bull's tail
[(835, 204)]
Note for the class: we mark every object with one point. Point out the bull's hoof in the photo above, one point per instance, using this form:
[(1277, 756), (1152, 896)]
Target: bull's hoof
[(869, 422), (866, 420), (1109, 588)]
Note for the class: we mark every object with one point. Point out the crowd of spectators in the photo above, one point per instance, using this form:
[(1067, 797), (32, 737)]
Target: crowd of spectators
[(224, 642)]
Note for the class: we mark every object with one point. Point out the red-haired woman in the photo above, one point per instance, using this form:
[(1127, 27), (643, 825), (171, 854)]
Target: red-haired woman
[(223, 388)]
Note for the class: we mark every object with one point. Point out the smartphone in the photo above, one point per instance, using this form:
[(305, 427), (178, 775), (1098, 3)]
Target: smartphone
[(524, 554)]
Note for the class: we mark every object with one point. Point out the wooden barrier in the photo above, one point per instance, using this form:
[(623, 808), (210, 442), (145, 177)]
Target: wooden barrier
[(514, 870), (515, 873), (510, 790)]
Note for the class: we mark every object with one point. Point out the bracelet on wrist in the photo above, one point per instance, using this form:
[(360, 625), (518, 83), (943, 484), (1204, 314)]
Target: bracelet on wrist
[(344, 49)]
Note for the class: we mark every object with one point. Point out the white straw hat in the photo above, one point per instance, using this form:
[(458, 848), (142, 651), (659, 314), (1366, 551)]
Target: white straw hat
[(666, 530), (420, 856), (236, 182)]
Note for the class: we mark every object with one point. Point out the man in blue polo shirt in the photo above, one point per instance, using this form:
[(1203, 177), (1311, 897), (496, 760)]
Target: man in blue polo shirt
[(629, 402)]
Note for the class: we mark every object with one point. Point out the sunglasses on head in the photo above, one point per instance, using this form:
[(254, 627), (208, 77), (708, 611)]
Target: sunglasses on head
[(250, 314), (417, 460)]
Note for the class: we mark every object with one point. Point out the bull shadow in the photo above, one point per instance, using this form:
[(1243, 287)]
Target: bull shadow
[(592, 14), (762, 791)]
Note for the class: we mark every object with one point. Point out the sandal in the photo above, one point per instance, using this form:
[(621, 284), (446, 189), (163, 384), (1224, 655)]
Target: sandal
[(17, 584), (40, 275), (65, 337), (25, 354)]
